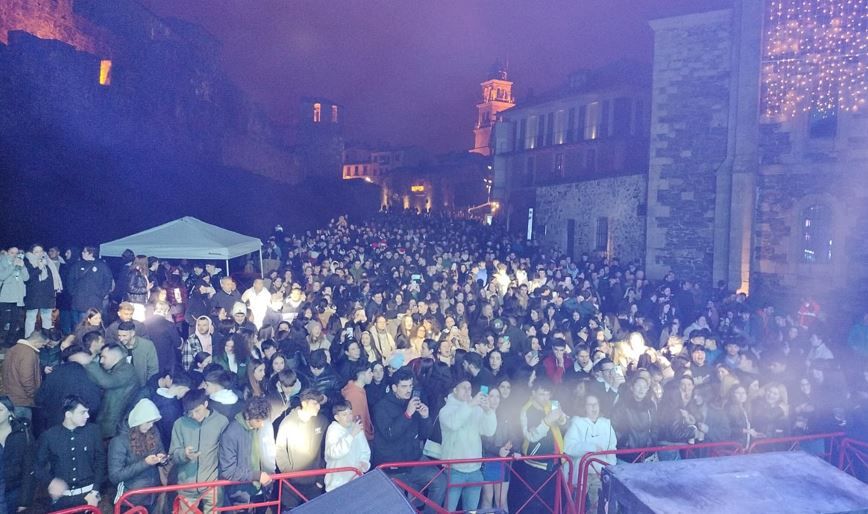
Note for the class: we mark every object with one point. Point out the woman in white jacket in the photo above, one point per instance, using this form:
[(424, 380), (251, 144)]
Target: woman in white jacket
[(587, 434), (345, 446), (463, 421)]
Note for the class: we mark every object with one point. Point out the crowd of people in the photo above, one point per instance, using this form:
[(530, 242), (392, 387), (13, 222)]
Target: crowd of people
[(405, 337)]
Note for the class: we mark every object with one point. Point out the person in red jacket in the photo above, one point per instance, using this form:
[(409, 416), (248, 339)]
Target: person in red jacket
[(558, 361)]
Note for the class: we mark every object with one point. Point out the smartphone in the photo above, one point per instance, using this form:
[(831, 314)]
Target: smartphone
[(556, 405), (416, 277), (417, 394), (483, 390)]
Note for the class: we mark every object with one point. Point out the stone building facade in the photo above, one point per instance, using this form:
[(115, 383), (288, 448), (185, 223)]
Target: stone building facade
[(773, 205), (584, 146)]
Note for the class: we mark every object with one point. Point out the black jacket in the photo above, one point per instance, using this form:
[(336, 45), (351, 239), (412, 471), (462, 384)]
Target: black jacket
[(131, 469), (166, 340), (397, 438), (635, 422), (69, 378), (90, 282), (18, 463), (136, 286), (40, 293)]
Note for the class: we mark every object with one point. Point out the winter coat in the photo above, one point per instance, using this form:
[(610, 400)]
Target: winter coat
[(22, 375), (397, 438), (119, 384), (203, 437), (344, 450), (12, 281), (68, 378), (462, 426), (166, 340), (144, 358), (40, 293), (226, 402), (635, 422), (131, 469), (136, 287), (586, 436), (17, 463), (170, 409), (300, 444), (90, 282)]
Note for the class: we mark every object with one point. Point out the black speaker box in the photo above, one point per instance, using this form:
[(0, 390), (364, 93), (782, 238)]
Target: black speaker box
[(372, 493)]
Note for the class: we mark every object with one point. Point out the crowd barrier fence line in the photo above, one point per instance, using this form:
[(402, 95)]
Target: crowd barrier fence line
[(81, 509), (183, 505), (853, 456), (568, 499), (561, 503)]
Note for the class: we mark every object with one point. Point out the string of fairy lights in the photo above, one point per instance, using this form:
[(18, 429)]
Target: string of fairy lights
[(815, 56)]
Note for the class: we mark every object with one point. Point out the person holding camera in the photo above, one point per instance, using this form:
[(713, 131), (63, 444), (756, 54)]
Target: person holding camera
[(43, 286), (134, 456), (13, 278)]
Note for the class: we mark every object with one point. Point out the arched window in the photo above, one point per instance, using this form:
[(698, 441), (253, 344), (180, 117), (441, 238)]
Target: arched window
[(317, 112), (816, 234)]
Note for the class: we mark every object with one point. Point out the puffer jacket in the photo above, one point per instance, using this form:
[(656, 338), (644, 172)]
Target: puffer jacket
[(18, 463), (12, 281), (40, 293), (131, 469), (635, 422), (137, 287)]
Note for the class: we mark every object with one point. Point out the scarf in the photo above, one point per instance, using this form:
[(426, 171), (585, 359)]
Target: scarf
[(555, 429), (49, 265)]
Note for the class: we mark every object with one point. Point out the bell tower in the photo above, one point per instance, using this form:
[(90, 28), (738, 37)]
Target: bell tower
[(496, 97)]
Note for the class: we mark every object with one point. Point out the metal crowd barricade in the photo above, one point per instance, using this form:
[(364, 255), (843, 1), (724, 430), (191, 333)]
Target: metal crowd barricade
[(81, 509), (853, 458), (830, 441), (561, 503), (634, 455), (189, 506)]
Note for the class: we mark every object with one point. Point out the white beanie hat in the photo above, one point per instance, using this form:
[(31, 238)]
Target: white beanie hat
[(143, 412)]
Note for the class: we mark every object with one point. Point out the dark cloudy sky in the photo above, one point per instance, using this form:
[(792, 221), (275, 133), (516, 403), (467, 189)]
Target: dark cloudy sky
[(408, 71)]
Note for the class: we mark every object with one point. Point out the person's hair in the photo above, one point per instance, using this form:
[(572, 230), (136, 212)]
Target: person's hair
[(402, 375), (115, 348), (473, 359), (340, 407), (70, 403), (542, 382), (140, 264), (7, 402), (126, 325), (317, 359), (91, 312), (193, 399), (266, 344), (359, 368), (181, 378), (287, 377), (126, 307), (199, 358), (89, 338), (255, 386), (557, 342), (257, 408), (240, 348), (222, 378), (598, 367)]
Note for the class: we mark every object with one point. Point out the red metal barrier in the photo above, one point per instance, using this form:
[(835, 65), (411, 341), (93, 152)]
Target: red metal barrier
[(640, 454), (81, 509), (124, 506), (832, 441), (853, 452), (561, 503)]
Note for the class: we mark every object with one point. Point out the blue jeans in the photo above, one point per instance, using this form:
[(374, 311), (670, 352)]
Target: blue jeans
[(469, 495), (30, 320)]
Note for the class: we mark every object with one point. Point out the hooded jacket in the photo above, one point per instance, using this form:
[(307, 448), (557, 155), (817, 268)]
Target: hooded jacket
[(131, 469), (119, 384), (203, 437), (343, 449), (12, 281), (462, 425), (226, 402)]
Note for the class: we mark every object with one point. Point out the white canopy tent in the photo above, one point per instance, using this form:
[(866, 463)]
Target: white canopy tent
[(186, 238)]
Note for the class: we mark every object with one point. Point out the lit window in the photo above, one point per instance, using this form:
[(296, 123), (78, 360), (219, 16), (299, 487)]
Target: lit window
[(816, 234), (592, 121), (317, 113), (105, 72), (334, 113)]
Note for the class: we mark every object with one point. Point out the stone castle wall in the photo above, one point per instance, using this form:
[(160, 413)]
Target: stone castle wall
[(689, 111), (620, 199)]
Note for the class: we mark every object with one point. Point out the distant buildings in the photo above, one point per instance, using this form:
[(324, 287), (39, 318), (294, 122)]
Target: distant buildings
[(570, 165), (744, 161), (373, 165), (496, 97)]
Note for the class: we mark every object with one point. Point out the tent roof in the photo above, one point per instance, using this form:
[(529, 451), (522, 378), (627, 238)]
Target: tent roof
[(184, 238)]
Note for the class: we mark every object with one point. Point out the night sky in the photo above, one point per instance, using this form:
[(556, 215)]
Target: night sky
[(408, 71)]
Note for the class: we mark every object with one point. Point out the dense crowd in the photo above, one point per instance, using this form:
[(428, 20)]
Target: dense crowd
[(402, 338)]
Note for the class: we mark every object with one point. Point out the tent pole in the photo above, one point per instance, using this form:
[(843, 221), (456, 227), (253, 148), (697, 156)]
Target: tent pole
[(227, 267), (261, 269)]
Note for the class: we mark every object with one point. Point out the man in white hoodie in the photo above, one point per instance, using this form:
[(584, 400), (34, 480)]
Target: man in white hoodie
[(345, 446), (463, 420), (587, 434)]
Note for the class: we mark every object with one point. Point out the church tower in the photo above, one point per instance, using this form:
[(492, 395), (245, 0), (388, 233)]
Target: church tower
[(496, 97)]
